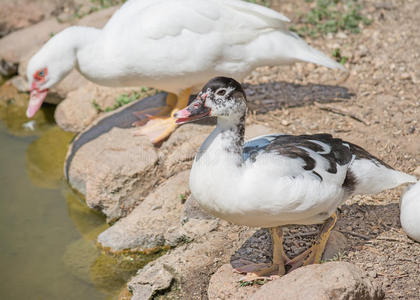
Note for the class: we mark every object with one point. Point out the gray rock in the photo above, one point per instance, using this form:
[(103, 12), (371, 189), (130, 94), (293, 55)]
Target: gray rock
[(154, 222), (333, 280), (152, 278), (114, 171)]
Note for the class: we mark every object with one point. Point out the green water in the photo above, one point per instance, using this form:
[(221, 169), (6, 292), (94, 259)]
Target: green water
[(47, 233)]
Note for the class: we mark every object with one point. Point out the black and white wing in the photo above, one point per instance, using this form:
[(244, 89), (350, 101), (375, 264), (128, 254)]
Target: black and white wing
[(329, 159)]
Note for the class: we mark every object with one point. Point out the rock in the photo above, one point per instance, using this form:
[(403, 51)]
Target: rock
[(154, 223), (99, 18), (333, 280), (336, 245), (7, 69), (77, 111), (114, 171), (22, 13), (224, 284), (180, 149), (189, 265), (192, 210), (18, 44), (153, 278), (20, 83)]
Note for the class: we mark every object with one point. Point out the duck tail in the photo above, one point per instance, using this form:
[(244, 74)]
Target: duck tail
[(304, 52), (374, 177)]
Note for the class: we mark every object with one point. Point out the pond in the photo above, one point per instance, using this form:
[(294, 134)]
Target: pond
[(47, 233)]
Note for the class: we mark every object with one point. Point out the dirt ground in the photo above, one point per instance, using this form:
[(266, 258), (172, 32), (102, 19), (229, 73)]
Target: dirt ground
[(375, 105)]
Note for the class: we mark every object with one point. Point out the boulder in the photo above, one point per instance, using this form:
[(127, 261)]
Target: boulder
[(19, 14), (336, 245), (153, 278), (333, 280), (77, 111), (225, 284), (154, 223), (179, 150), (98, 19), (14, 47), (114, 171), (186, 267)]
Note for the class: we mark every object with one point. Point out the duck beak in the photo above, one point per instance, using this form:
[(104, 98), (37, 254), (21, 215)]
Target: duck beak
[(36, 98), (195, 111)]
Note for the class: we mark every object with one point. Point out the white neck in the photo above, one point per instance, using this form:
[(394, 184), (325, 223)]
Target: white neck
[(224, 144), (218, 163)]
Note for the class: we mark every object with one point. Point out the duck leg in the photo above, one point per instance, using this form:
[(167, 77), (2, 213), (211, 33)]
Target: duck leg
[(161, 125), (314, 254), (276, 269)]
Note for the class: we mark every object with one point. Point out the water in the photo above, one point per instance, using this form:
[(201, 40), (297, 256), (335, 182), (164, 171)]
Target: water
[(47, 233)]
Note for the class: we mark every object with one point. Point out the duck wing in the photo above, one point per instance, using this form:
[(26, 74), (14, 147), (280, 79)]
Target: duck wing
[(329, 159)]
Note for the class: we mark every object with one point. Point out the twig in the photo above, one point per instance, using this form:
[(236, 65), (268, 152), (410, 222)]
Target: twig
[(339, 112), (365, 237), (389, 239)]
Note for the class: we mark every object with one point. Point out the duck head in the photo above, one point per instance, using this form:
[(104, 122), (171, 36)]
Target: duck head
[(221, 97), (49, 66)]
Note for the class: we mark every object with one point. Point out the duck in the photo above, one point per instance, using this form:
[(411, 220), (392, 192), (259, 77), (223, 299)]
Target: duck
[(171, 45), (410, 211), (276, 180)]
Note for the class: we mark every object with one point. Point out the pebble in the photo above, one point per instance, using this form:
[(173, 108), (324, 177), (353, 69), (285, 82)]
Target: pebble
[(405, 76)]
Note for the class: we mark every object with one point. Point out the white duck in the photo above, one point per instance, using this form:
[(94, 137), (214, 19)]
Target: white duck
[(171, 45), (410, 211), (276, 180)]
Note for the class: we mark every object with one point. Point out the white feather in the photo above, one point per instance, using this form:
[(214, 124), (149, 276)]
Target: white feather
[(410, 211), (373, 177), (176, 44)]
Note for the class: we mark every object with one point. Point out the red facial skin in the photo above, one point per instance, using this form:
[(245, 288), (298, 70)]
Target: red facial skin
[(37, 95)]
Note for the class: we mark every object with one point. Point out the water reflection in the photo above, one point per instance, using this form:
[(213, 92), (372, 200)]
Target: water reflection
[(47, 232)]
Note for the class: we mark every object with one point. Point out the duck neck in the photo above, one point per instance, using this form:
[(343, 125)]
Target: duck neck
[(232, 133), (225, 143)]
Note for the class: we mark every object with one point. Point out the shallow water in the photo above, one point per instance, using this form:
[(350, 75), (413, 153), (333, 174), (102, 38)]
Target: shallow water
[(47, 233)]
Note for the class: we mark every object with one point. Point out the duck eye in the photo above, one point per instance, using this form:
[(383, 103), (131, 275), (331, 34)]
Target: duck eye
[(221, 92), (41, 73)]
